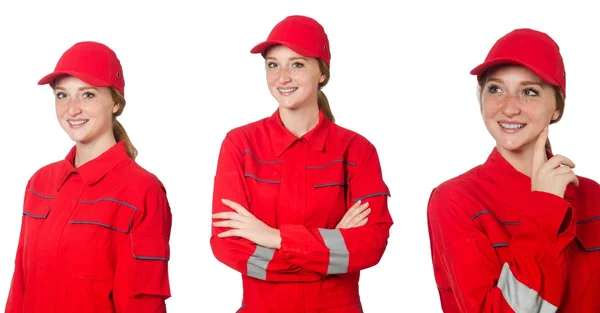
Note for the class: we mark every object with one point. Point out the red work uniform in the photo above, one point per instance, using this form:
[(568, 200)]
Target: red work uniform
[(498, 247), (93, 239), (303, 187)]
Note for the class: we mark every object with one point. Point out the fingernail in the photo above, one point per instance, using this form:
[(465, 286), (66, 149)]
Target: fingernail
[(359, 202)]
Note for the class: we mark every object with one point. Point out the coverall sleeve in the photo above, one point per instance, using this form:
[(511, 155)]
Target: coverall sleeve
[(239, 253), (340, 251), (141, 282), (14, 303), (534, 277)]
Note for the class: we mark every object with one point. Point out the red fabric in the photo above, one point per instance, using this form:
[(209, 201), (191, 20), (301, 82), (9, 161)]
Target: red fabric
[(93, 239), (91, 62), (344, 167), (530, 48), (301, 34), (488, 217)]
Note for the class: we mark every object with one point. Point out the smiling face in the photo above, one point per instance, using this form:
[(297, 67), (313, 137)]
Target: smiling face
[(293, 80), (516, 106), (84, 112)]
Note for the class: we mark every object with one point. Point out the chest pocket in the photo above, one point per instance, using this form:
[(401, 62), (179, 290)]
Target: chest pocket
[(36, 210), (328, 191), (107, 213), (588, 240), (263, 180), (98, 230)]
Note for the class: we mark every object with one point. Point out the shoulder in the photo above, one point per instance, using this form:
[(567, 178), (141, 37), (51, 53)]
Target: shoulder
[(454, 196), (46, 178), (356, 146), (140, 179), (248, 130)]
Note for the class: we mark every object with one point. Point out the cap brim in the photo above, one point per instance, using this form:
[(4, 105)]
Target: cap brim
[(86, 78), (263, 46), (480, 69)]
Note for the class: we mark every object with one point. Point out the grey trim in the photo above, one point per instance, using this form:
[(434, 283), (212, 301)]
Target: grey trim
[(41, 195), (339, 256), (150, 258), (37, 216), (476, 215), (263, 180), (257, 160), (109, 199), (372, 195), (240, 309), (521, 298), (258, 262), (500, 245), (590, 249), (329, 185), (589, 220), (312, 167), (103, 225)]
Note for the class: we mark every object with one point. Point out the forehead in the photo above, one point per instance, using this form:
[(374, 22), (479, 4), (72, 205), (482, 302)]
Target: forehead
[(513, 73), (281, 52), (68, 81)]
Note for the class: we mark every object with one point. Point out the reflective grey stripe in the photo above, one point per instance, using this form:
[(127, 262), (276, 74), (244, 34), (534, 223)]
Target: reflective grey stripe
[(338, 253), (521, 298), (372, 195), (258, 262)]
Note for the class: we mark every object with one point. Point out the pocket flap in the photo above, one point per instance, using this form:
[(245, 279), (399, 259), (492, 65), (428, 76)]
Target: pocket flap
[(106, 212), (588, 235), (150, 247), (40, 211)]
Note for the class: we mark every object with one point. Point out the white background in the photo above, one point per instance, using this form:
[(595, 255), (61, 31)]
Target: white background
[(400, 76)]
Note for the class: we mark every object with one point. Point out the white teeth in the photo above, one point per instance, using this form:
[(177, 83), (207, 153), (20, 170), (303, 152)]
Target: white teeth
[(511, 126), (287, 90), (75, 123)]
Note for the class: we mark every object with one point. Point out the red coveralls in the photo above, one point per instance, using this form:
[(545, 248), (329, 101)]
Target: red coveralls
[(303, 187), (93, 239), (498, 247)]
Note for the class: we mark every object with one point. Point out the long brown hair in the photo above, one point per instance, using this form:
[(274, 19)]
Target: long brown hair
[(558, 97), (118, 129), (321, 98)]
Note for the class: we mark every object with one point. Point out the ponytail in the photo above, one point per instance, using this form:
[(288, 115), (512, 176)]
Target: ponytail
[(118, 129), (321, 98)]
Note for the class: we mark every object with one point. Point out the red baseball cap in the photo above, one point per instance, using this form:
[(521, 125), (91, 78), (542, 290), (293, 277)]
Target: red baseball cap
[(302, 34), (92, 62), (532, 49)]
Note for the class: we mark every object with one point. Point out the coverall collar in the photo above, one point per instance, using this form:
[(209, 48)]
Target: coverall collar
[(92, 171), (281, 138), (502, 171)]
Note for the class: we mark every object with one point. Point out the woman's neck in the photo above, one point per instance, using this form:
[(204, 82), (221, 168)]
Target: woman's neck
[(86, 152), (300, 121), (521, 160)]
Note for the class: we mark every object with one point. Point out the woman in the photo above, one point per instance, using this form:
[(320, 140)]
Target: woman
[(284, 184), (519, 233), (96, 226)]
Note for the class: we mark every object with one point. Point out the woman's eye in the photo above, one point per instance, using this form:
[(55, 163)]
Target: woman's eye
[(493, 89), (297, 65), (88, 95), (60, 95), (530, 92), (271, 65)]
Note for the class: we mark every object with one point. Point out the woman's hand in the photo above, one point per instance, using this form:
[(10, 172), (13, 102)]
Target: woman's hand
[(551, 176), (356, 216), (246, 225)]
